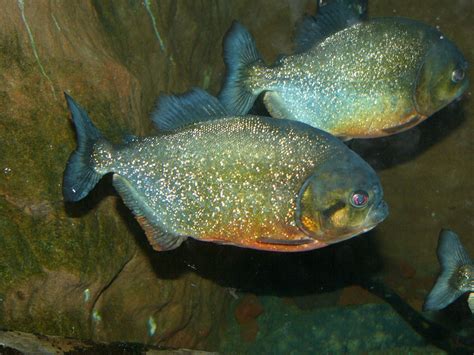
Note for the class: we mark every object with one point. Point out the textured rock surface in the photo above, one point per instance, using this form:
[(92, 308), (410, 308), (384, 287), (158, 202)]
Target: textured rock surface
[(84, 270)]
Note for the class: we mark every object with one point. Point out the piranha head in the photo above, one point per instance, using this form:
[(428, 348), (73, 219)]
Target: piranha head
[(442, 77), (342, 199)]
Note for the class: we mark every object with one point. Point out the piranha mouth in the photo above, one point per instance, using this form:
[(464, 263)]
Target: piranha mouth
[(431, 108), (461, 94), (349, 233), (376, 215)]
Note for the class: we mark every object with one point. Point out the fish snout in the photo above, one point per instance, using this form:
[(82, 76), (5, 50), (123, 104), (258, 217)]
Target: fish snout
[(378, 212)]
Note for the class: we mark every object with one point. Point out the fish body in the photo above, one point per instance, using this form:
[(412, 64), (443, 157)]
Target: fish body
[(246, 181), (457, 273), (351, 77)]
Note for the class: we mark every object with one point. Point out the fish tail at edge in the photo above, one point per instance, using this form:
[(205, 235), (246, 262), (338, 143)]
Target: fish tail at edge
[(451, 255)]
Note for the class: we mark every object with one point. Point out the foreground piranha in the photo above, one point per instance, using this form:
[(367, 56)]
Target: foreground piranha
[(351, 77), (251, 181), (457, 274)]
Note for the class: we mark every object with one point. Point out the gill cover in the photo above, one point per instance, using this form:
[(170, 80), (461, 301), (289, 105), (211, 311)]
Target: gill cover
[(441, 77), (317, 220), (306, 211)]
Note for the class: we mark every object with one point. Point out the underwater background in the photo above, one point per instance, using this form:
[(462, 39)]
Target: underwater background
[(86, 270)]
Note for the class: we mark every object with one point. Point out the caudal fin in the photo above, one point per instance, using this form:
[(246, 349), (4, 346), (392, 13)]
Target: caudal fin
[(80, 177), (240, 52), (451, 255)]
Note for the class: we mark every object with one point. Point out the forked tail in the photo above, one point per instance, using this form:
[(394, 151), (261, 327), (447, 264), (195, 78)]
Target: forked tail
[(240, 52), (81, 175), (451, 255)]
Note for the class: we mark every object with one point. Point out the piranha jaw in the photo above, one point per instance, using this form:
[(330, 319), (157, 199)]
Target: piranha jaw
[(336, 222), (428, 101), (375, 216), (377, 213)]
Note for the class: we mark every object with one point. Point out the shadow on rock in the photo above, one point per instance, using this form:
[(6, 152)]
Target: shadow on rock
[(268, 273), (80, 208)]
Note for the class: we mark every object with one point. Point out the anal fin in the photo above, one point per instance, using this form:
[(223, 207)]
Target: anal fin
[(159, 239)]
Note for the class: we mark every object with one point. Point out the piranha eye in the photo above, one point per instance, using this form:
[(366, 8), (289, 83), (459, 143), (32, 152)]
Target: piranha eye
[(359, 199), (457, 75)]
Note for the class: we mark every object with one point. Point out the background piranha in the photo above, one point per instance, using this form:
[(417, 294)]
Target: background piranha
[(457, 273), (351, 77), (249, 181)]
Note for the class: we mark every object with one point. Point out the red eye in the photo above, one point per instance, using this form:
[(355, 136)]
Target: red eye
[(359, 198)]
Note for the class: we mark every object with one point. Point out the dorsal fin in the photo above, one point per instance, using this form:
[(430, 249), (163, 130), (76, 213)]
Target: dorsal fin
[(196, 105), (331, 18)]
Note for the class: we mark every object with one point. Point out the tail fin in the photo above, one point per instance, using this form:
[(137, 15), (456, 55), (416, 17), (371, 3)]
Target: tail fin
[(80, 177), (451, 256), (240, 51)]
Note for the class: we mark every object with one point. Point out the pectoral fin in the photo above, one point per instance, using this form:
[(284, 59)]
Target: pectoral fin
[(345, 139), (404, 126), (275, 105), (159, 239), (269, 240)]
